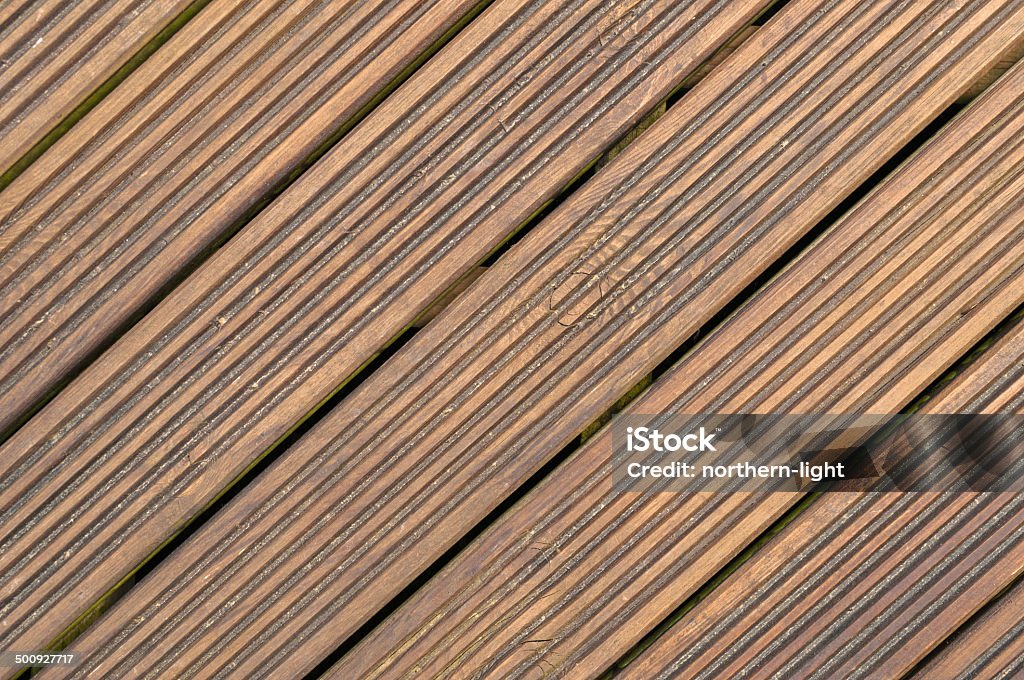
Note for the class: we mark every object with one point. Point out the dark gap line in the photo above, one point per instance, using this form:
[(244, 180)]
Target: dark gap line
[(540, 214), (644, 121), (804, 242), (197, 521), (293, 436), (187, 269), (768, 12), (1002, 329), (515, 236), (231, 490), (967, 358), (928, 393), (962, 628), (733, 43), (574, 445), (307, 422), (100, 93), (437, 565), (710, 585)]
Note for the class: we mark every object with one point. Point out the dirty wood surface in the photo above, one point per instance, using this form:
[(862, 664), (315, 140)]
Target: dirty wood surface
[(864, 320), (294, 199), (869, 583), (989, 647), (535, 349), (54, 53), (164, 169), (308, 291)]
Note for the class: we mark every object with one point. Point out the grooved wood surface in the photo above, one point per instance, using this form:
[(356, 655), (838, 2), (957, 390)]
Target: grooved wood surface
[(864, 585), (574, 574), (55, 53), (989, 647), (162, 169), (559, 327), (423, 188)]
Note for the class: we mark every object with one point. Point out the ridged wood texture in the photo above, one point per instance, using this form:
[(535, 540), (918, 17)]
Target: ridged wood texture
[(990, 647), (864, 585), (422, 189), (54, 53), (546, 339), (165, 167), (573, 575)]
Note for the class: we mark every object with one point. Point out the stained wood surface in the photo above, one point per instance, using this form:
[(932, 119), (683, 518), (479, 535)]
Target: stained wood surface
[(54, 53), (163, 169), (992, 646), (554, 332), (572, 576), (870, 570), (869, 583), (422, 189)]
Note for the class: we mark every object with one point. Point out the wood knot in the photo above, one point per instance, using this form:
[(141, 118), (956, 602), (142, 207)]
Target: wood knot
[(575, 298)]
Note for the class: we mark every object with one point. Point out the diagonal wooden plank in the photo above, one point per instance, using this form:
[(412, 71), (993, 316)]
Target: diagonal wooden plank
[(426, 186), (158, 174), (573, 575), (864, 585), (548, 337), (54, 53), (989, 647)]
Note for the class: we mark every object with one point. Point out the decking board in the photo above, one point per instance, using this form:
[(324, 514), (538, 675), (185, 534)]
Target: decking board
[(506, 375), (163, 169), (989, 647), (424, 187), (54, 54), (574, 575), (868, 584)]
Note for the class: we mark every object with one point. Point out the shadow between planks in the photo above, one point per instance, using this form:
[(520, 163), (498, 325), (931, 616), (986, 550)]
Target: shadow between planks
[(593, 129), (601, 604), (90, 247), (960, 74)]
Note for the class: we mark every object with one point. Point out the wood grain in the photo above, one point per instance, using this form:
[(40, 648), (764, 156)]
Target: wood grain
[(422, 189), (574, 574), (989, 647), (864, 585), (54, 53), (548, 338), (164, 168)]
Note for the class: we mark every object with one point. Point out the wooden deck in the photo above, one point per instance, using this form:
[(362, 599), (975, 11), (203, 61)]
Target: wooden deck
[(313, 314)]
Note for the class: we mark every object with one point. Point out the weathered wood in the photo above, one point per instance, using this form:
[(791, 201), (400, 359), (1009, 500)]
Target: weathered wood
[(164, 168), (423, 188), (551, 335), (989, 647), (55, 53), (864, 585), (574, 575)]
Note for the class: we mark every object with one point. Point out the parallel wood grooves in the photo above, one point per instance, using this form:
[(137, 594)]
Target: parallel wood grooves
[(574, 575), (55, 53), (155, 176), (990, 646), (653, 244), (435, 177), (869, 583)]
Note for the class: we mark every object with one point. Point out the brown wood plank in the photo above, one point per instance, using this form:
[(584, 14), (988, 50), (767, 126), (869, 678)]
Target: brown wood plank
[(427, 185), (535, 349), (571, 577), (989, 647), (55, 53), (191, 141), (864, 585)]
